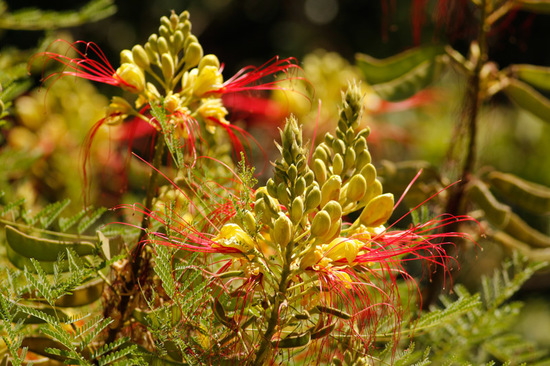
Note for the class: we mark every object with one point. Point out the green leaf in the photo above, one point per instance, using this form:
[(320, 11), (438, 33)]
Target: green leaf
[(528, 99), (537, 76), (401, 76), (44, 249), (37, 19)]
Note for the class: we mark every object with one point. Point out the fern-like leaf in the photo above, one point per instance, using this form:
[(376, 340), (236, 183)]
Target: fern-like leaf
[(88, 221)]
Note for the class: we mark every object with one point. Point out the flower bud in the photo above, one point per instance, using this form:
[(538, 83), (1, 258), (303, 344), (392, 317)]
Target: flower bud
[(209, 60), (177, 41), (131, 77), (297, 210), (338, 146), (313, 199), (190, 39), (337, 164), (363, 158), (369, 173), (300, 186), (152, 41), (271, 187), (359, 145), (331, 189), (249, 221), (126, 57), (309, 177), (164, 30), (193, 54), (151, 54), (320, 171), (184, 16), (357, 187), (162, 45), (349, 159), (292, 172), (320, 153), (282, 230), (282, 194), (334, 210), (320, 225), (172, 102), (167, 66), (377, 211), (335, 229), (140, 57), (174, 20)]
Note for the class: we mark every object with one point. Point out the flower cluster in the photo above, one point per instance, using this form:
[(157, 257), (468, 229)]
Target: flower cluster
[(170, 71), (311, 250)]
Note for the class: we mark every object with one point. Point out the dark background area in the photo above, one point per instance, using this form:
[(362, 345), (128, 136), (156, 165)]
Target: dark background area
[(243, 32)]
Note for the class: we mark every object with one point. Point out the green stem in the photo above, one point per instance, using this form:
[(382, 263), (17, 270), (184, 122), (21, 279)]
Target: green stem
[(263, 350)]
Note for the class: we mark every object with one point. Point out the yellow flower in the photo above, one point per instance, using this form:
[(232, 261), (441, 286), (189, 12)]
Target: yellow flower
[(213, 112), (341, 248), (209, 78), (232, 236), (132, 78)]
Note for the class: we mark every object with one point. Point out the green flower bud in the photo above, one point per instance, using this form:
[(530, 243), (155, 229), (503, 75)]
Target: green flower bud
[(300, 186), (283, 194), (271, 204), (334, 232), (164, 30), (297, 210), (337, 164), (185, 28), (167, 66), (193, 54), (360, 145), (357, 187), (292, 172), (282, 230), (151, 54), (349, 159), (338, 146), (152, 41), (320, 225), (177, 41), (190, 39), (174, 20), (377, 211), (331, 189), (350, 136), (320, 171), (364, 133), (126, 57), (271, 187), (140, 56), (320, 153), (313, 199), (209, 60), (184, 16), (309, 177), (329, 139), (369, 172), (334, 210), (373, 190), (249, 221), (162, 45), (363, 158)]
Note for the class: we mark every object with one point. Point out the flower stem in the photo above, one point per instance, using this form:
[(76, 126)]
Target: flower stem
[(263, 350)]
